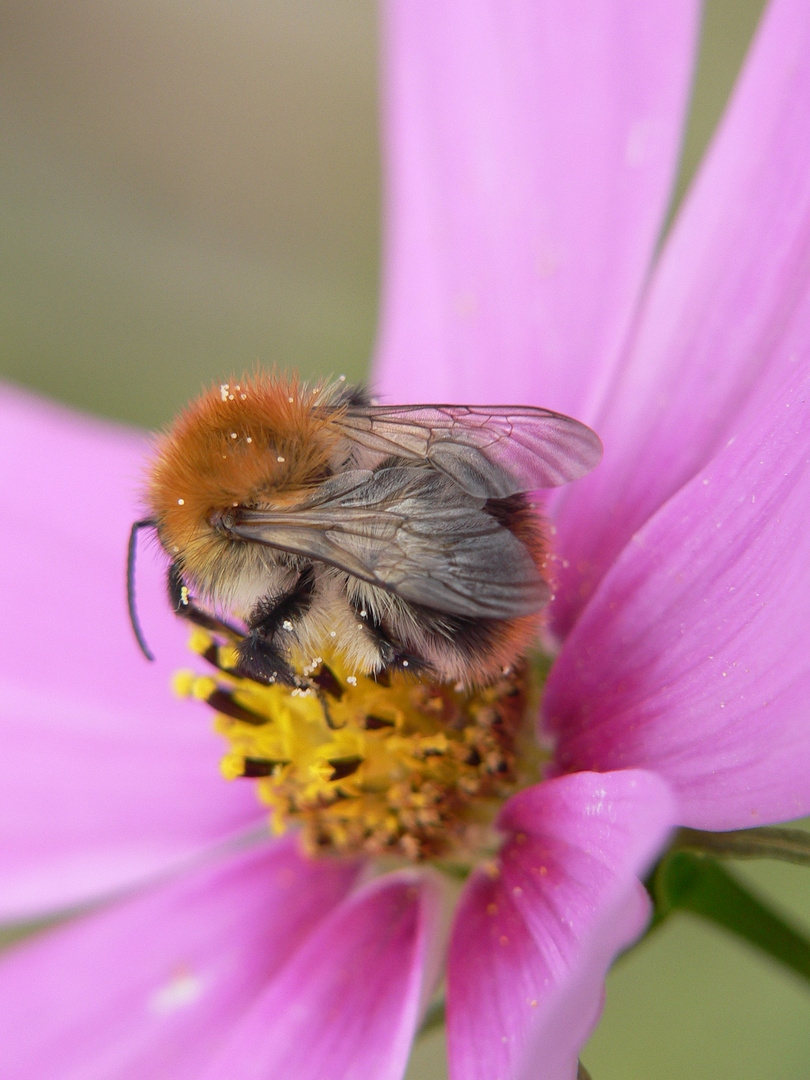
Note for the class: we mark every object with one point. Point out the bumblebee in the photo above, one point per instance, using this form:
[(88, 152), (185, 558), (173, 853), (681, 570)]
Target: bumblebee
[(402, 537)]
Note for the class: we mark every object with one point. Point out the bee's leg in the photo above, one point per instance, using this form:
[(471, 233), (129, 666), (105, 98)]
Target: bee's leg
[(393, 653), (184, 605), (261, 661), (258, 659), (260, 656)]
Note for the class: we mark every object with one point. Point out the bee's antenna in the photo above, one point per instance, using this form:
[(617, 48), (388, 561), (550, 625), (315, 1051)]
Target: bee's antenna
[(146, 523)]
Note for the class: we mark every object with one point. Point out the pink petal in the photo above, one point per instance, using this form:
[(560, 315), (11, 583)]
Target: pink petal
[(105, 777), (348, 1004), (566, 1024), (532, 943), (692, 658), (728, 307), (152, 987), (531, 150)]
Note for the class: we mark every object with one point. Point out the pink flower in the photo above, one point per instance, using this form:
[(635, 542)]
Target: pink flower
[(531, 155)]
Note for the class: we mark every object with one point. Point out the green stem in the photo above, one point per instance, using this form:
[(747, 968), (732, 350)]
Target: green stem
[(697, 883), (789, 845), (434, 1018)]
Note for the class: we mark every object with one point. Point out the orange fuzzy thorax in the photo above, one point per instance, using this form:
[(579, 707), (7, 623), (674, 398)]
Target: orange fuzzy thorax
[(262, 439)]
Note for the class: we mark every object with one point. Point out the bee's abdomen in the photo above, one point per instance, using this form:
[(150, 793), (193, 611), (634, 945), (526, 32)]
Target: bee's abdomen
[(516, 514)]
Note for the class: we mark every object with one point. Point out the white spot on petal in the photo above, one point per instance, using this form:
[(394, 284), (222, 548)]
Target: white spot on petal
[(182, 990)]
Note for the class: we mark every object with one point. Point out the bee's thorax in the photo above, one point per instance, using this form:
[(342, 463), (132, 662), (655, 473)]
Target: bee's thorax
[(245, 444)]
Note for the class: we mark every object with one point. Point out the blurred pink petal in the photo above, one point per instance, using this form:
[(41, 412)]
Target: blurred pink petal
[(728, 307), (152, 986), (531, 151), (104, 778), (348, 1004), (524, 936), (564, 1026), (692, 657)]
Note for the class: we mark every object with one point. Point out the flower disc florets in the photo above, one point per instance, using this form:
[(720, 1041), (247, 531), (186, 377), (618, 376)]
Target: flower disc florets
[(385, 766)]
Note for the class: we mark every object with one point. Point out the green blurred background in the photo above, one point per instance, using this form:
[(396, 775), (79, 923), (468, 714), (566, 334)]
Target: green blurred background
[(187, 189)]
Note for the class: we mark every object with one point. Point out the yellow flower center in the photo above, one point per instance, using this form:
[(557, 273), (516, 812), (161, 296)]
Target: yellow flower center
[(386, 766)]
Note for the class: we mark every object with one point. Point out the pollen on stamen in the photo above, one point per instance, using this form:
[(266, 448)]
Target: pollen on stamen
[(405, 767)]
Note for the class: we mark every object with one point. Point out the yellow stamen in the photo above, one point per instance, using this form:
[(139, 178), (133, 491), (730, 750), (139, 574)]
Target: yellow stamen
[(405, 767)]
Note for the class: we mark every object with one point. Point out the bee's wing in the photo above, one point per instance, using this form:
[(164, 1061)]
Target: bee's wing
[(409, 531), (489, 451)]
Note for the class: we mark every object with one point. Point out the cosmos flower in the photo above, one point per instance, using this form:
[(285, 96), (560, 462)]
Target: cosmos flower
[(531, 153)]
